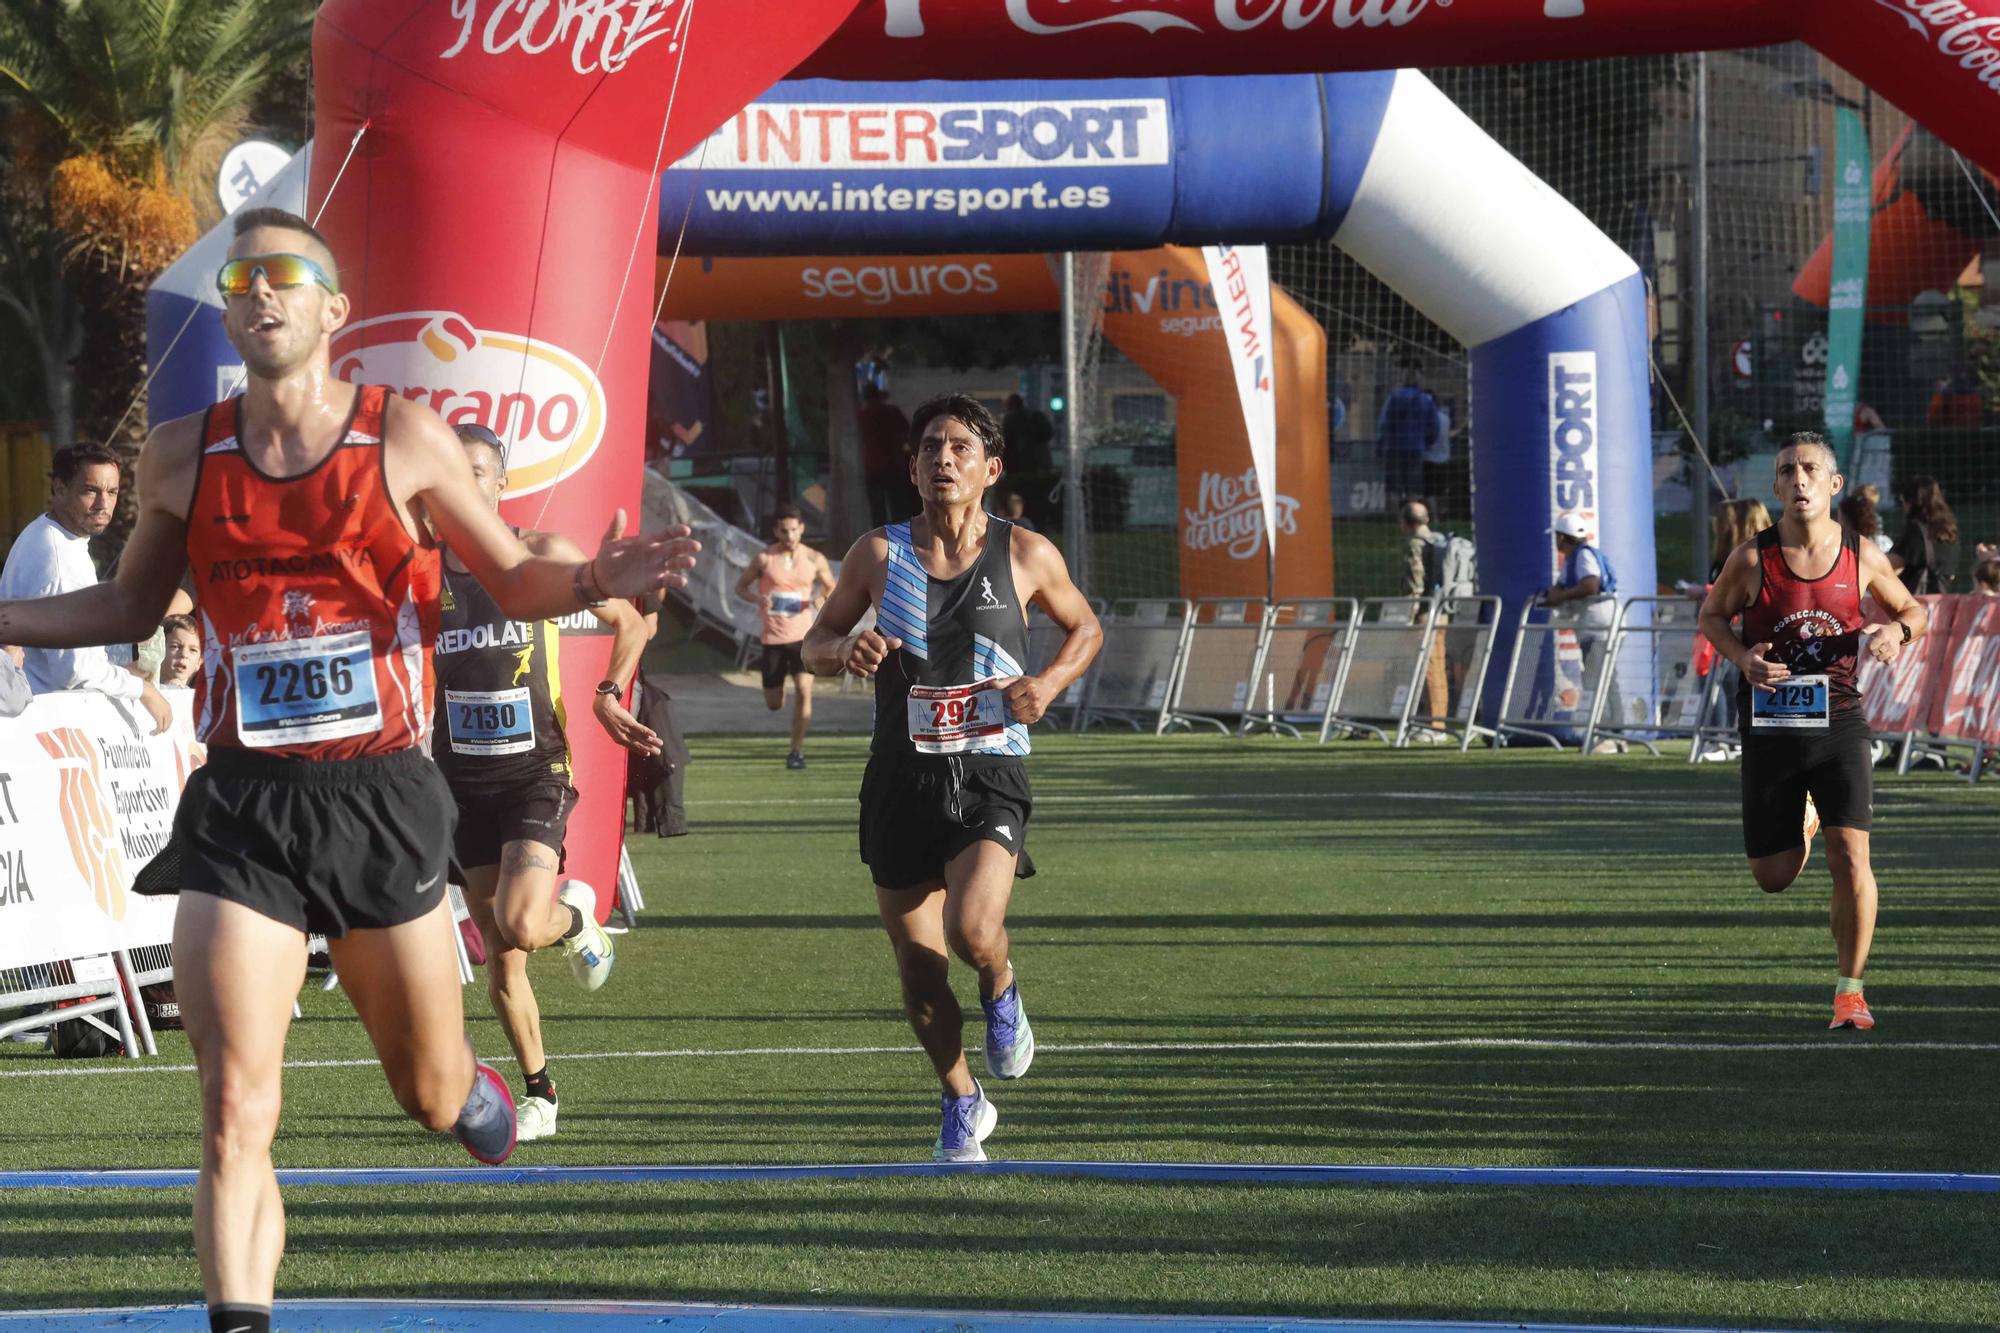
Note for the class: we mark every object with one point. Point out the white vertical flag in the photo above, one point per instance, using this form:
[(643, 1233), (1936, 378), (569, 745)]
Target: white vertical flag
[(1241, 277)]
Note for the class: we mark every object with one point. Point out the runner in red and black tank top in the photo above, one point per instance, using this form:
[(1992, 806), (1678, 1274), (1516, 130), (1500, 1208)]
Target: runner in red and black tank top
[(318, 608), (1812, 625)]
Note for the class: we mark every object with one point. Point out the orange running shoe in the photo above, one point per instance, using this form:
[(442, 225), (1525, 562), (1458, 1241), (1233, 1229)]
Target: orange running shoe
[(1851, 1011), (1812, 820)]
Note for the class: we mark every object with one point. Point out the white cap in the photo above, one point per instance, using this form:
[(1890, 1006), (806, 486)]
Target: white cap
[(1569, 525)]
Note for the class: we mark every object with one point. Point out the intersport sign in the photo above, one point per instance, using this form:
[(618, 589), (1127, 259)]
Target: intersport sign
[(544, 402)]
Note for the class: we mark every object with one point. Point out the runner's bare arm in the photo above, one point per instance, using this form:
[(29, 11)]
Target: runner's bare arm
[(1734, 589), (831, 647), (746, 586), (629, 635), (128, 607), (1041, 577), (1879, 580), (428, 465)]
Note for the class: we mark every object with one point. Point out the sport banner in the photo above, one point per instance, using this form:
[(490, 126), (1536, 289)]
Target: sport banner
[(87, 797), (1241, 278), (1847, 294)]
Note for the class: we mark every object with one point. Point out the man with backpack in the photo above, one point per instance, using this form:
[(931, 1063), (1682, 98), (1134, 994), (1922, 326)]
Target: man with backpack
[(1441, 565)]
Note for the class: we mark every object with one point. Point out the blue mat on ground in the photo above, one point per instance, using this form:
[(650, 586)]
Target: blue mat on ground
[(1215, 1173), (618, 1316)]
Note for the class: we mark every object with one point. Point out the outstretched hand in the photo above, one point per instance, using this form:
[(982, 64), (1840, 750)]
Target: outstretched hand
[(634, 566)]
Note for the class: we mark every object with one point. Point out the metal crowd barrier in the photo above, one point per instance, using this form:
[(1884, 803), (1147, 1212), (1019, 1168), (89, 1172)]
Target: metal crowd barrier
[(1298, 671), (1132, 680), (91, 982), (1658, 645), (1446, 707), (1045, 640), (1219, 657), (1552, 701), (1382, 668)]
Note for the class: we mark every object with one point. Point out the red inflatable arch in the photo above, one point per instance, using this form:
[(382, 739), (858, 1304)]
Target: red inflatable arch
[(496, 215)]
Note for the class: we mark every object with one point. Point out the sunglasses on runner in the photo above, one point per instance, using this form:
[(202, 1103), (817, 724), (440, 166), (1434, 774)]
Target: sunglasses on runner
[(236, 277)]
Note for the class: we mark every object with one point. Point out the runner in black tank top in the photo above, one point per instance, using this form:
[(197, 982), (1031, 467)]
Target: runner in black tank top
[(945, 801), (1798, 588), (500, 711), (501, 738)]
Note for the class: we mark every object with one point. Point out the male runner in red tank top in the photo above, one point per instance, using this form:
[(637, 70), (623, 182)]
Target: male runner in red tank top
[(1798, 588), (299, 509)]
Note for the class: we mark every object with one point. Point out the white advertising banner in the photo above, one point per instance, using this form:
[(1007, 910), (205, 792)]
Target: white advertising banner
[(1241, 277), (87, 796)]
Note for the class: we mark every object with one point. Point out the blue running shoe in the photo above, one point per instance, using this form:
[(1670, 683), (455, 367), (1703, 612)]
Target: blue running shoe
[(1010, 1042), (966, 1123)]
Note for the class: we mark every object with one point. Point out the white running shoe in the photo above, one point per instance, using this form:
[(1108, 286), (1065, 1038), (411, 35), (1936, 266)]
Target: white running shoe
[(966, 1122), (534, 1118), (591, 953)]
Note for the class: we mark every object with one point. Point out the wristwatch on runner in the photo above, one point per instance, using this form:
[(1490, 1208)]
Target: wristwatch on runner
[(610, 687)]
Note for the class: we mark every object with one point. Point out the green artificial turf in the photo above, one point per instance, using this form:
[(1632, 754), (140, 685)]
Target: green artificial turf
[(1263, 951)]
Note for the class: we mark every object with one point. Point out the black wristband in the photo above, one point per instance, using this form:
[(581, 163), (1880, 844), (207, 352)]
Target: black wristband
[(582, 590), (1904, 625)]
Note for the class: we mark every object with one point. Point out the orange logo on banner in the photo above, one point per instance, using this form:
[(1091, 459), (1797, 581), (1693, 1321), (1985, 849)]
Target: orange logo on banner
[(93, 837)]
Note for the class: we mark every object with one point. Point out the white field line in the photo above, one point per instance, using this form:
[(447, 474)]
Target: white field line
[(1156, 1047)]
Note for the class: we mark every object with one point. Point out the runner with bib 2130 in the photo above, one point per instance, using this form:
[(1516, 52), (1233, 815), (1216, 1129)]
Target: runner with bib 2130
[(945, 800), (503, 743), (1806, 760), (303, 509)]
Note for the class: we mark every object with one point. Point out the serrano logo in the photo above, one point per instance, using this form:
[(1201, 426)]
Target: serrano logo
[(93, 837), (905, 18), (1228, 512), (545, 403)]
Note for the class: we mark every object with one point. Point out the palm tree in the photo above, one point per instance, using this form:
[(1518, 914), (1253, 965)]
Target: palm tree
[(117, 114)]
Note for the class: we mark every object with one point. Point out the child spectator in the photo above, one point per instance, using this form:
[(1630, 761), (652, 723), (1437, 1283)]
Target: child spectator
[(182, 657)]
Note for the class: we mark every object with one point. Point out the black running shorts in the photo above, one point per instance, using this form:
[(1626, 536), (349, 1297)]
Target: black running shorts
[(782, 661), (918, 812), (491, 817), (1781, 768), (325, 845)]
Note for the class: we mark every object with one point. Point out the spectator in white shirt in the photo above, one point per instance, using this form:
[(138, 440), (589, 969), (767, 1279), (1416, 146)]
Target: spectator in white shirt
[(52, 555)]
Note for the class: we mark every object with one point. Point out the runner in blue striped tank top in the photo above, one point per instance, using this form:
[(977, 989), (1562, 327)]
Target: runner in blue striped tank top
[(945, 800)]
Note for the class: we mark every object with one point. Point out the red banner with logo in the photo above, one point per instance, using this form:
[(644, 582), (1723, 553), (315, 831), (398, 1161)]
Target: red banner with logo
[(1939, 60), (1969, 703), (1897, 696)]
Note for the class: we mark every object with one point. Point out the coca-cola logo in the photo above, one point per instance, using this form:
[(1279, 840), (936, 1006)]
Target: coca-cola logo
[(546, 404), (1045, 18), (1229, 513), (1959, 32), (602, 35)]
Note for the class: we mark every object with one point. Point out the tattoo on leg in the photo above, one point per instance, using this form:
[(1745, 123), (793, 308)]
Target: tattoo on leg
[(526, 858)]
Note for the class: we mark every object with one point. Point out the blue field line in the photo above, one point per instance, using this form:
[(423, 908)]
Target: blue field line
[(588, 1316), (1213, 1173)]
